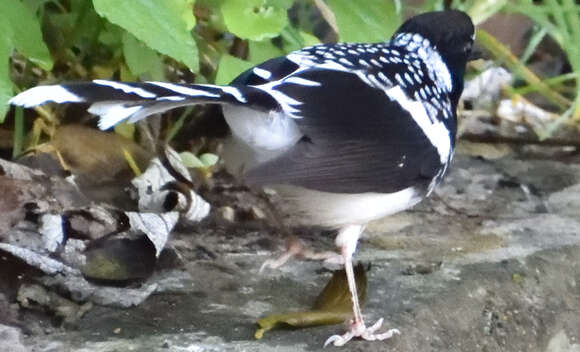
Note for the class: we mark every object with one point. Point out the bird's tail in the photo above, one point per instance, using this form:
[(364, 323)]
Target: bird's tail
[(118, 101)]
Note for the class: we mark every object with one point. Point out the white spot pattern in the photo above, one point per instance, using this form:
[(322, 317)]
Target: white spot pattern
[(436, 131), (260, 72), (408, 69)]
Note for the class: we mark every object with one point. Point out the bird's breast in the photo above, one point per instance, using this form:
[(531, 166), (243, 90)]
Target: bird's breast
[(334, 210), (267, 131)]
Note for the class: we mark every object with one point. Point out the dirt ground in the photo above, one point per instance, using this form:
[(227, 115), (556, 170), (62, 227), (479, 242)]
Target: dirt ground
[(489, 263)]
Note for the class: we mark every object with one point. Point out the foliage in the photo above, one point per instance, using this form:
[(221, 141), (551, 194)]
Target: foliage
[(561, 20), (20, 30), (378, 18), (164, 26), (202, 41)]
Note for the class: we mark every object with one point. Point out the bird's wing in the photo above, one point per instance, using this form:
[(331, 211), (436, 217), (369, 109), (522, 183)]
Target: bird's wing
[(357, 137)]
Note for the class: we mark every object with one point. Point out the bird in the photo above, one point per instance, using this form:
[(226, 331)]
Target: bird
[(345, 133)]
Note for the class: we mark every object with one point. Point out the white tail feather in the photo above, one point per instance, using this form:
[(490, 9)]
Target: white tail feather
[(43, 94)]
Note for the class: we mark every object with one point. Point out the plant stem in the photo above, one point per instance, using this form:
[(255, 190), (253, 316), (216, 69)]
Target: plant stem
[(18, 136)]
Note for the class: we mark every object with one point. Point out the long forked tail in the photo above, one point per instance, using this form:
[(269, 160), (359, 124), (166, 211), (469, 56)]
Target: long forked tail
[(118, 101)]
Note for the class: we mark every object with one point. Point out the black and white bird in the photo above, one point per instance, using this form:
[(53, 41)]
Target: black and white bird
[(345, 133)]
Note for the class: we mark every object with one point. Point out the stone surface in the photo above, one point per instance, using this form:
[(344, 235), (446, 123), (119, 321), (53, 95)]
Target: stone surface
[(11, 340), (489, 263)]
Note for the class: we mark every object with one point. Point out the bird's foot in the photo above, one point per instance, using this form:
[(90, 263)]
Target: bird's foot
[(358, 329), (296, 248)]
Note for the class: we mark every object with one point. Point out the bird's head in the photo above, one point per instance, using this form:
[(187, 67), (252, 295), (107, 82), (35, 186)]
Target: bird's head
[(451, 34)]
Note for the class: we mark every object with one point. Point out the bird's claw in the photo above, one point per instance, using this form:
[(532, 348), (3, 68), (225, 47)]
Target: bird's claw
[(272, 264), (359, 330), (338, 340)]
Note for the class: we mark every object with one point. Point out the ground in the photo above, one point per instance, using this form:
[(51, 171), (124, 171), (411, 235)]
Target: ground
[(491, 262)]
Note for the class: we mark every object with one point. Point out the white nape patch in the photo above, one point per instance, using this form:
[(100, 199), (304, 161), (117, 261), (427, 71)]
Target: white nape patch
[(376, 83), (339, 209), (400, 80), (112, 112), (44, 94), (384, 78), (302, 81), (408, 78), (363, 63), (436, 131), (376, 63), (260, 72), (438, 71), (345, 61), (125, 88), (184, 90)]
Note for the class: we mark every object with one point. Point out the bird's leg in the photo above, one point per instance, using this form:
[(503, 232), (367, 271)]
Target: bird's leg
[(295, 248), (347, 240)]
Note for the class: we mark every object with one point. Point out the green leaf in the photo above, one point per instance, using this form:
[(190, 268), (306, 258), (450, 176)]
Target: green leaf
[(309, 39), (229, 68), (208, 159), (190, 161), (5, 83), (111, 36), (262, 51), (293, 39), (21, 31), (164, 25), (142, 60), (365, 21), (125, 129), (203, 162), (85, 30), (482, 10), (21, 27), (35, 5), (255, 19)]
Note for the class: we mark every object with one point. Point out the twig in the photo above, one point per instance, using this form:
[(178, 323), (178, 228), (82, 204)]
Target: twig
[(327, 14), (495, 139)]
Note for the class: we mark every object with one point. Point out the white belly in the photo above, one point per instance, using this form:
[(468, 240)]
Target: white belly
[(269, 131), (335, 210), (261, 136), (256, 137)]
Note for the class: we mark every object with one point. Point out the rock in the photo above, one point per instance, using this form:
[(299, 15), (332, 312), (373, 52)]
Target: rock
[(227, 214), (489, 263), (257, 213), (11, 340), (561, 343)]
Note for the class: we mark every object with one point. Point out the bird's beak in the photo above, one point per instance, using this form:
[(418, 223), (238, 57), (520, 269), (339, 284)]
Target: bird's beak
[(476, 53)]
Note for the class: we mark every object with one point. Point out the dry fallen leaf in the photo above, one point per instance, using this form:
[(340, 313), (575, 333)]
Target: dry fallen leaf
[(332, 306), (95, 154)]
